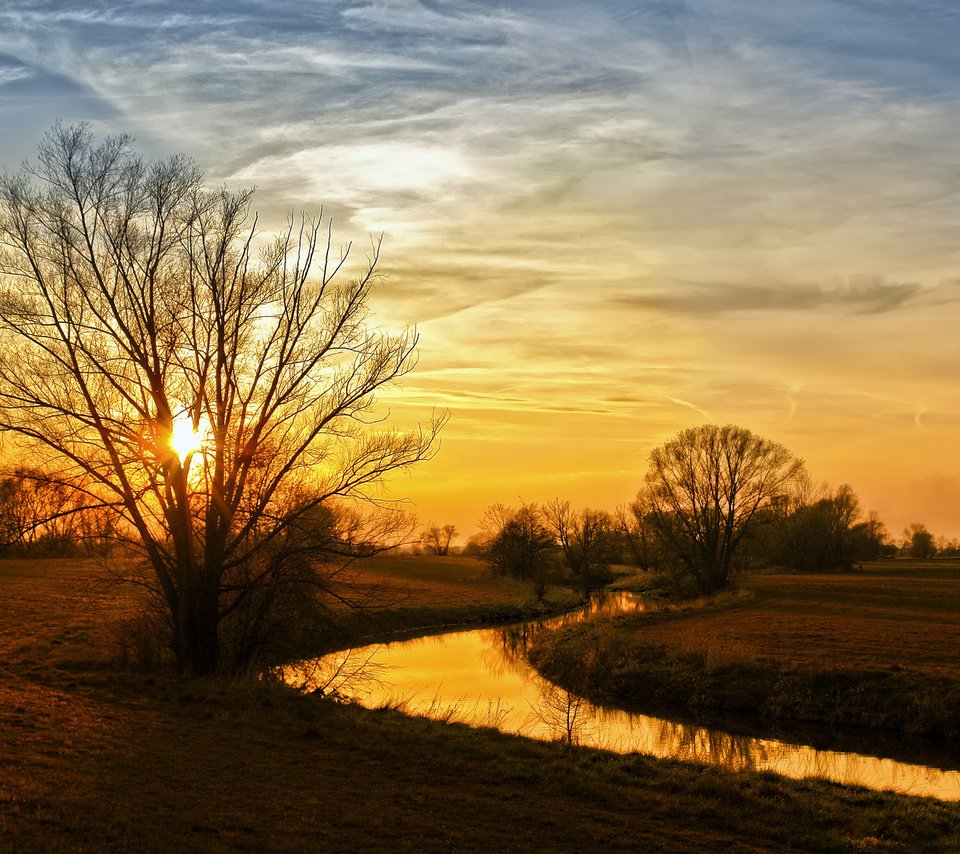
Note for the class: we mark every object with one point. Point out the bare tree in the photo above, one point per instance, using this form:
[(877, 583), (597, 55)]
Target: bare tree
[(637, 525), (210, 397), (919, 542), (583, 538), (519, 544), (33, 510), (873, 539), (706, 487), (559, 711), (818, 536), (438, 539)]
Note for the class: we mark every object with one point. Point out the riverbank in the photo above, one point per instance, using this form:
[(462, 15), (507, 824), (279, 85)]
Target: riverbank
[(878, 649), (96, 759), (411, 595)]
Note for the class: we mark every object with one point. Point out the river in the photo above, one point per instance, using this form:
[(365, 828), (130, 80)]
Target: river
[(481, 677)]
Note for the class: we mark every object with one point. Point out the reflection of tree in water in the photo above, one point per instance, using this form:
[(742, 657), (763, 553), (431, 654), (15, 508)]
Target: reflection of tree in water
[(699, 744), (340, 675), (516, 640), (510, 643), (559, 711), (545, 711), (505, 648), (606, 603)]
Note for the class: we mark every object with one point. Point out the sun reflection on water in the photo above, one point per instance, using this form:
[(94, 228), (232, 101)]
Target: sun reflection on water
[(481, 678)]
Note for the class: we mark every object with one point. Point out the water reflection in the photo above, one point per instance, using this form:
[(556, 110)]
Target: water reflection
[(481, 678), (559, 711)]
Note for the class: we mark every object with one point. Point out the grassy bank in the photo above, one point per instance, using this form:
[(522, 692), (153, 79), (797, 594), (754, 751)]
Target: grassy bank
[(419, 594), (879, 648), (94, 759)]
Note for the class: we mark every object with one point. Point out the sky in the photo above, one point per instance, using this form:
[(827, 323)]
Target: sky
[(608, 221)]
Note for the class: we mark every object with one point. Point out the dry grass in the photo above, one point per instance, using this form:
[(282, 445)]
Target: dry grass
[(451, 581), (93, 759), (874, 649), (895, 613), (414, 594)]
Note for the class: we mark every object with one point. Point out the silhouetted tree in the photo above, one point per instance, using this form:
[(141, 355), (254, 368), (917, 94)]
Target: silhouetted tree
[(438, 539), (706, 488), (638, 528), (519, 544), (584, 539), (40, 516), (947, 547), (559, 711), (135, 310), (818, 536), (920, 542), (33, 511), (870, 539)]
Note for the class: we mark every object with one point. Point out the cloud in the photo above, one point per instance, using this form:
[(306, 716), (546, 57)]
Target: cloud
[(632, 212), (10, 73), (699, 298)]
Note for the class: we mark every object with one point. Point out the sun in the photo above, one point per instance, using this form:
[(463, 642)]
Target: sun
[(184, 439)]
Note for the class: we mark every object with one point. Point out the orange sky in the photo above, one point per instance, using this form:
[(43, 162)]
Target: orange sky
[(608, 221)]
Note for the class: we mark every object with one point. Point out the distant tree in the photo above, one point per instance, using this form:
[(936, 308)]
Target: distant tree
[(33, 511), (948, 547), (920, 542), (208, 395), (476, 545), (519, 544), (438, 539), (871, 540), (584, 538), (38, 515), (21, 516), (819, 536), (706, 488)]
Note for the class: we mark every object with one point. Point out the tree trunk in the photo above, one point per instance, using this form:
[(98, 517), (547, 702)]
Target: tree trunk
[(197, 641)]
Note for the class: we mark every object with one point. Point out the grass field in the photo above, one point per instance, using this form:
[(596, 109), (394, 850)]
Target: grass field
[(878, 647), (96, 759), (892, 613), (405, 594)]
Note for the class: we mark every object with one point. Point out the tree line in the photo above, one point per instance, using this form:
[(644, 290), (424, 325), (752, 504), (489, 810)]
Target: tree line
[(138, 306), (715, 500), (40, 517)]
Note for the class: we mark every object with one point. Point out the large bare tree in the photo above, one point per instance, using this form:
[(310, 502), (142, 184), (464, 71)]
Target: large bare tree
[(217, 399), (705, 490)]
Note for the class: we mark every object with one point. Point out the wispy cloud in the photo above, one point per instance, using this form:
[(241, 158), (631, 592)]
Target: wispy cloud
[(636, 211), (13, 72), (720, 297)]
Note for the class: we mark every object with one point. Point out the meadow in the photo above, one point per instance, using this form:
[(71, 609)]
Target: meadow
[(95, 757), (877, 648), (407, 594)]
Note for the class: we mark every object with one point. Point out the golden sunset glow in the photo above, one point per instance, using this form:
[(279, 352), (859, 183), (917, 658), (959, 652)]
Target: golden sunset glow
[(480, 678), (680, 216), (491, 426), (184, 439)]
